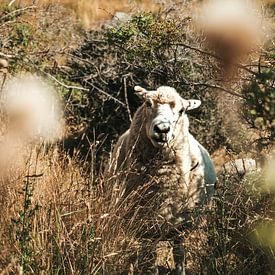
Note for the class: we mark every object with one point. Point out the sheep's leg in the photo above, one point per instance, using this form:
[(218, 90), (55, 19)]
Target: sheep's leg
[(179, 257)]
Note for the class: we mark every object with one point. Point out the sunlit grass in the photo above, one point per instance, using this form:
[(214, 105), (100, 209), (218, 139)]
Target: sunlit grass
[(93, 12)]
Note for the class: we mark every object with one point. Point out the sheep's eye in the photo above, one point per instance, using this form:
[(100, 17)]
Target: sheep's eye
[(148, 103), (181, 111)]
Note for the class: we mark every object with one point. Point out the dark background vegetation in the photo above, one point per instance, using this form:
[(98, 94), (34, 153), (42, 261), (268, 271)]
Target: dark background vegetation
[(94, 72)]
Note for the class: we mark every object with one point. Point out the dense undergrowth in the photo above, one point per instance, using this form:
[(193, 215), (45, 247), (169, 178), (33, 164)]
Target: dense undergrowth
[(57, 217)]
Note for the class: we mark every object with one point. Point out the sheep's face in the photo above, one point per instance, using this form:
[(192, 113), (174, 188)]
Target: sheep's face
[(165, 114)]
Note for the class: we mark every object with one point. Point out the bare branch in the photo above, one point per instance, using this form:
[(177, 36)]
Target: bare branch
[(218, 88), (126, 99), (11, 2), (65, 85), (7, 55), (108, 95), (17, 11), (243, 67)]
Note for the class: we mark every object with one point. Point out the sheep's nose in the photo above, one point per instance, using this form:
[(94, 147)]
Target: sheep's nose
[(162, 128)]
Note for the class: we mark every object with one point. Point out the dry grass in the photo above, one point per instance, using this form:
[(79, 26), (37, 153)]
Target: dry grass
[(34, 202), (56, 217), (94, 12)]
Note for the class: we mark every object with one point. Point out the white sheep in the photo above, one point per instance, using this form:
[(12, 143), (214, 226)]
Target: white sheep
[(170, 171)]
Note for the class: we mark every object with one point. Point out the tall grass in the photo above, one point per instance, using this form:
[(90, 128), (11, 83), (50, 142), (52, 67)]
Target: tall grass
[(55, 219), (58, 218)]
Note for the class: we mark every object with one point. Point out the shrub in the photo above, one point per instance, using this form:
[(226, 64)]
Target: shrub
[(260, 99), (146, 51)]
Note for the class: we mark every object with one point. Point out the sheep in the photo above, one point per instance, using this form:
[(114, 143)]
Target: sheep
[(171, 172)]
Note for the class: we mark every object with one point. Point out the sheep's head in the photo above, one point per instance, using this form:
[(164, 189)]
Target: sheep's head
[(165, 114)]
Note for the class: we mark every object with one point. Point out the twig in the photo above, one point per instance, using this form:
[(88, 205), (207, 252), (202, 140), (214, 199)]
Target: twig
[(218, 88), (7, 23), (7, 55), (34, 175), (58, 81), (17, 11), (3, 82), (81, 88), (126, 99), (214, 56), (108, 95), (11, 2), (65, 85)]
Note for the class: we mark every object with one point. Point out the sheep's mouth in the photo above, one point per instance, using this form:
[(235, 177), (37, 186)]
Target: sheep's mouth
[(159, 141)]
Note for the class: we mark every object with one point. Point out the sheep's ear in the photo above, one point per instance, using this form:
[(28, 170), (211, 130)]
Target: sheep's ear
[(141, 92), (193, 104)]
